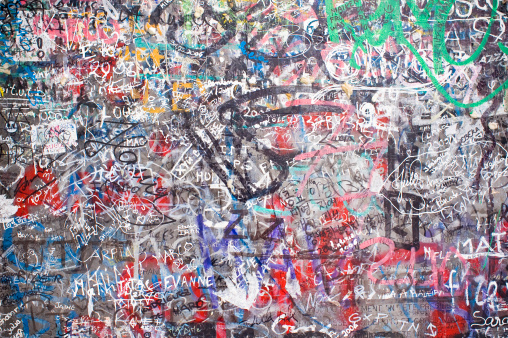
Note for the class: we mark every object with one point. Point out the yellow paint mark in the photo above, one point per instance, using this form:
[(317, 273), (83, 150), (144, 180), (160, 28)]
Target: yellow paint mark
[(127, 54), (201, 87), (348, 89), (156, 57), (135, 93), (152, 29), (155, 110), (146, 93), (178, 95), (141, 54)]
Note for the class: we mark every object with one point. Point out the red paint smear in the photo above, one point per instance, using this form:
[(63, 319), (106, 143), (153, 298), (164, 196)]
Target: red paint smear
[(448, 325), (27, 194), (220, 328), (159, 144), (98, 327)]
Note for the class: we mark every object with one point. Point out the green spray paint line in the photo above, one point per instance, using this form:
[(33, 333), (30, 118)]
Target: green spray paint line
[(392, 26)]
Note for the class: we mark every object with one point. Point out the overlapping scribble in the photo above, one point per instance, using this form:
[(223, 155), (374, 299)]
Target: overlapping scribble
[(253, 168)]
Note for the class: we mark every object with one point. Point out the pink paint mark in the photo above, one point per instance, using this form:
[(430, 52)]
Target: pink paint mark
[(294, 76), (268, 36), (329, 150), (391, 246), (471, 83), (349, 197), (315, 71), (298, 102)]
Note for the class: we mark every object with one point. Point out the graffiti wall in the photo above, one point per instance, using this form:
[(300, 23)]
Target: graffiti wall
[(253, 168)]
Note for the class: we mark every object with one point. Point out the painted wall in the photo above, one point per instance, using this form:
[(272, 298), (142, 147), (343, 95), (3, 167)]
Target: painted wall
[(245, 168)]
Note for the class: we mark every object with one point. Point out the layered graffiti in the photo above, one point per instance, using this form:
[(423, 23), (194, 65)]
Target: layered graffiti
[(250, 168)]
